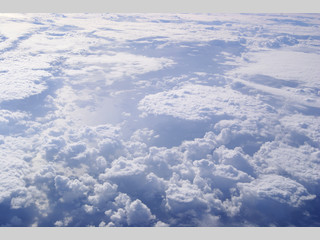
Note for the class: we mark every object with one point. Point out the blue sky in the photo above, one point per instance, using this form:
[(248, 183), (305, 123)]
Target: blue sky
[(159, 120)]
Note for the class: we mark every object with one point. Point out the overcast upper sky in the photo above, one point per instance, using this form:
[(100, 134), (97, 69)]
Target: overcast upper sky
[(159, 120)]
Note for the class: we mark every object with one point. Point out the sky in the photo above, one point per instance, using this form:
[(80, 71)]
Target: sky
[(159, 120)]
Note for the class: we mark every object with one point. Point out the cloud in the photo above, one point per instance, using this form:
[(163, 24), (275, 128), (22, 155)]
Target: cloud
[(198, 102), (23, 75), (138, 214), (300, 163), (112, 66), (282, 64), (12, 121), (103, 193), (159, 120), (130, 213), (70, 190), (182, 197), (277, 188)]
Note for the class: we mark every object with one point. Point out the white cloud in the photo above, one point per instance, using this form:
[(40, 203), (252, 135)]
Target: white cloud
[(278, 188), (11, 121), (70, 190), (103, 193), (138, 214), (114, 65), (300, 163), (303, 125), (24, 74), (235, 104), (182, 197), (198, 102), (13, 30), (281, 64)]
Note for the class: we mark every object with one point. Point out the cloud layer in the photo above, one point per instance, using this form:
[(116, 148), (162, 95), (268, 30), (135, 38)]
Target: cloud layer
[(118, 120)]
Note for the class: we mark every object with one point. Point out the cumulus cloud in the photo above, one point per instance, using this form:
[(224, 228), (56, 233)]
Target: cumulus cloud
[(156, 120), (103, 193), (70, 190), (278, 188), (300, 163), (23, 75), (138, 214), (287, 65), (113, 66), (198, 102)]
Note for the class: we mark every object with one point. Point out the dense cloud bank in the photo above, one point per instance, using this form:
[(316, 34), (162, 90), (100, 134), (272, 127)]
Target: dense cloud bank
[(159, 120)]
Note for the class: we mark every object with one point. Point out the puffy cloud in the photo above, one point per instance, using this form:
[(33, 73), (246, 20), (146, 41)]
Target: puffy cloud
[(303, 128), (11, 122), (130, 213), (236, 158), (277, 188), (281, 64), (222, 176), (281, 41), (159, 120), (103, 193), (301, 164), (184, 198), (118, 64), (200, 147), (23, 75), (138, 214), (198, 102), (70, 190), (12, 172), (12, 31)]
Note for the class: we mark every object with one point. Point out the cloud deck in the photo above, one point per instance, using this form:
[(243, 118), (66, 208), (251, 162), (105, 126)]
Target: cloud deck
[(159, 120)]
